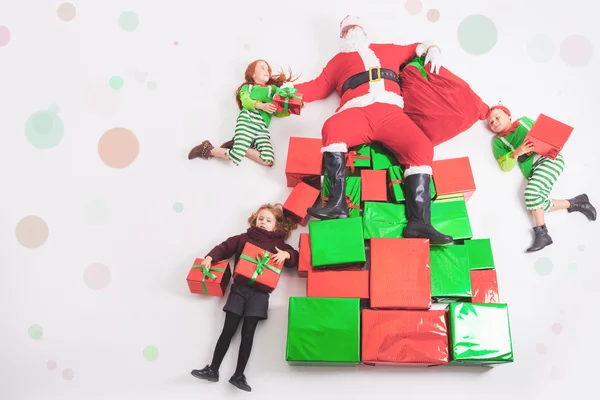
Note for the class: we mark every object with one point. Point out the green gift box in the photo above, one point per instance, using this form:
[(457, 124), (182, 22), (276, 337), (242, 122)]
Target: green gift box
[(450, 217), (352, 194), (337, 243), (323, 331), (382, 158), (480, 334), (383, 220), (396, 184), (480, 254), (450, 273), (358, 157)]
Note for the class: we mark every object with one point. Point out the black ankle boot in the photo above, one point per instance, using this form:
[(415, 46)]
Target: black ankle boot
[(541, 240), (418, 210), (206, 373), (239, 381), (335, 168), (582, 204)]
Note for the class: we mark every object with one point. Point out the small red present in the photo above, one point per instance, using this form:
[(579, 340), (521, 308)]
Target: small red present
[(304, 161), (209, 282), (484, 286), (453, 177), (301, 198), (288, 101), (373, 185), (548, 136), (255, 268), (304, 259), (345, 284)]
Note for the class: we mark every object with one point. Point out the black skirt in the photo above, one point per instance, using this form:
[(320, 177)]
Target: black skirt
[(246, 301)]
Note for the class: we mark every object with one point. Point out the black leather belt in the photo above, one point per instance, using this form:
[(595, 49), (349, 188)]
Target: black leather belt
[(372, 75)]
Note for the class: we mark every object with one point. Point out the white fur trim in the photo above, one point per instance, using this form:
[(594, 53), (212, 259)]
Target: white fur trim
[(335, 148), (349, 20), (287, 85), (422, 48), (371, 98), (419, 169)]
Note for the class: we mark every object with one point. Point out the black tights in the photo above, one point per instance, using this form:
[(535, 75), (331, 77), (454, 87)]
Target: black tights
[(229, 328)]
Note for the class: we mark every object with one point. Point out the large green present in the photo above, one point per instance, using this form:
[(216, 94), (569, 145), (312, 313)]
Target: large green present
[(382, 158), (323, 330), (480, 254), (383, 220), (352, 194), (480, 334), (337, 243), (396, 184), (450, 217), (450, 273), (358, 157)]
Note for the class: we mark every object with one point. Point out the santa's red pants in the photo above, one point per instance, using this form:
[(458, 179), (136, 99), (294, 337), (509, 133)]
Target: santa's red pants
[(384, 123)]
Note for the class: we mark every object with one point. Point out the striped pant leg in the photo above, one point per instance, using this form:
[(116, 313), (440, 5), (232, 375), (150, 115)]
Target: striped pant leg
[(247, 128), (265, 148), (544, 176)]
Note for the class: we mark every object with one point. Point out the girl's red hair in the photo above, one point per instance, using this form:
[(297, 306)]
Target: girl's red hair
[(276, 80)]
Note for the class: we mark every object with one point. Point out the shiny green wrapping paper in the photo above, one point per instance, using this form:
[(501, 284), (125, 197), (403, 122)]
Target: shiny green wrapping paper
[(450, 273), (337, 243)]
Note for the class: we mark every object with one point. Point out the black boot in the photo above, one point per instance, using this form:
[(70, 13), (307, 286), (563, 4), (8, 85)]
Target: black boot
[(206, 373), (582, 204), (541, 240), (335, 168), (239, 381), (418, 210)]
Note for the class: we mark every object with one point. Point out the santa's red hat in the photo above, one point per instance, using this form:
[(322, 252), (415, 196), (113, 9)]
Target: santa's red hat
[(349, 20)]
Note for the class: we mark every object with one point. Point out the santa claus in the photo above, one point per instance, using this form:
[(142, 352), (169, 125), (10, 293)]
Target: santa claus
[(365, 75)]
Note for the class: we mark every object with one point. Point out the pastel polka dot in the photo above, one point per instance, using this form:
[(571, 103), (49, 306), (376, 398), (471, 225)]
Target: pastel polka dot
[(4, 36), (128, 21), (36, 332), (581, 247), (118, 148), (96, 276), (51, 365), (32, 232), (541, 348), (433, 15), (576, 51), (477, 34), (413, 6), (540, 48), (150, 353), (247, 46), (573, 268), (101, 99), (178, 207), (97, 212), (44, 129), (115, 82), (141, 77), (557, 328), (557, 372), (544, 266), (68, 374), (176, 43), (66, 12), (151, 85)]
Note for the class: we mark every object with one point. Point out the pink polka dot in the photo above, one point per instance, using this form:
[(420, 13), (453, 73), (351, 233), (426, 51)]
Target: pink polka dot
[(176, 43), (433, 15), (581, 247), (576, 51), (68, 374), (557, 328), (413, 6), (4, 36), (51, 365)]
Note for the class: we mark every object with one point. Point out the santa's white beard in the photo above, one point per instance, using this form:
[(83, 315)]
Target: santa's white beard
[(355, 39)]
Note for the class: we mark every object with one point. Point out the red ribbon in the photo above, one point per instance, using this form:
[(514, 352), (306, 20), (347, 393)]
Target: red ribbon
[(353, 155), (348, 202), (392, 183)]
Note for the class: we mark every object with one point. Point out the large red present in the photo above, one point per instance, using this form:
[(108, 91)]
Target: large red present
[(257, 269), (304, 161), (452, 177), (374, 185), (304, 259), (302, 197), (210, 282), (400, 273), (404, 337), (548, 136), (288, 101), (346, 284), (484, 286)]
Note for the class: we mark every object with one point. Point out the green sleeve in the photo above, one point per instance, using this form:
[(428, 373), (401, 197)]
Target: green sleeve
[(247, 102), (503, 155)]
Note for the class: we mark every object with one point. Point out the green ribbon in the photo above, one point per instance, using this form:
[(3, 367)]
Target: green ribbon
[(206, 272), (261, 264), (287, 93)]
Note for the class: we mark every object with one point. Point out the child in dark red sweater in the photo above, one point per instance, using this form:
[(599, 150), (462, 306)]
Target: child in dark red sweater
[(268, 230)]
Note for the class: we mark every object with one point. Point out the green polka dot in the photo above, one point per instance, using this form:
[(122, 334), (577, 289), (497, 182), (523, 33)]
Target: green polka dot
[(151, 85), (36, 332), (150, 353), (540, 48), (477, 34), (178, 207), (543, 266), (44, 129), (128, 21), (573, 268), (116, 82)]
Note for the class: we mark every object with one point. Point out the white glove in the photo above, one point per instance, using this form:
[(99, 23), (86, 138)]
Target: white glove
[(434, 55)]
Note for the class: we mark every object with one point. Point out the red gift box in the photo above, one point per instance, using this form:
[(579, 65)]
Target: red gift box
[(484, 286), (373, 185), (302, 197), (211, 282), (549, 136), (304, 259), (452, 177), (257, 269), (400, 274), (404, 337), (304, 161), (345, 284), (288, 101)]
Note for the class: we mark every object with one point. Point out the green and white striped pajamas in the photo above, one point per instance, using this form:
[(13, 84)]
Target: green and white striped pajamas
[(544, 175), (251, 132)]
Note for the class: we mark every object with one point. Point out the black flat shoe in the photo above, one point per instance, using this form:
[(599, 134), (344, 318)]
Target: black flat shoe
[(239, 381), (206, 373)]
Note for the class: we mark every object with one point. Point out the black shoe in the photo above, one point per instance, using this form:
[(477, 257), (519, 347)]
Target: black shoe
[(542, 239), (418, 210), (582, 204), (206, 373), (239, 381), (335, 168)]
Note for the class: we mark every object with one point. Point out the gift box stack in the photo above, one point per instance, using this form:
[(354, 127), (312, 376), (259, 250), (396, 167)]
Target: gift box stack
[(374, 297)]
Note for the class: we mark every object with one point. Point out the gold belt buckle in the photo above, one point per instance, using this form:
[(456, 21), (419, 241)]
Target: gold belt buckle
[(378, 74)]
